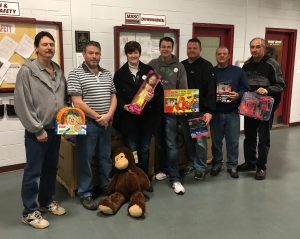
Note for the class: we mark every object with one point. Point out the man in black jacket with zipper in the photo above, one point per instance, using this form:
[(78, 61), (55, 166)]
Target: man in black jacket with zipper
[(265, 78), (199, 76)]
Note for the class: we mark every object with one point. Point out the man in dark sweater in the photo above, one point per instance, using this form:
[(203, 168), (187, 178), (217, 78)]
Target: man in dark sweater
[(199, 76), (231, 85), (265, 78)]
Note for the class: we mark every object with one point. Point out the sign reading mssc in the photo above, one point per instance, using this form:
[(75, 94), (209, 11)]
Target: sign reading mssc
[(145, 19)]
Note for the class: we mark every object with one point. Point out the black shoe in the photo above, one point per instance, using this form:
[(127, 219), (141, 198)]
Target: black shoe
[(150, 189), (200, 174), (260, 174), (188, 170), (89, 203), (233, 173), (246, 167), (215, 171)]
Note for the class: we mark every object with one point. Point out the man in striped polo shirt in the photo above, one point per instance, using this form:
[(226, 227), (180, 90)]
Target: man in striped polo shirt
[(92, 89)]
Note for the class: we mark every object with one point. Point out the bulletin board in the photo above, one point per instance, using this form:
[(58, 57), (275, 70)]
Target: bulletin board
[(147, 36), (21, 32)]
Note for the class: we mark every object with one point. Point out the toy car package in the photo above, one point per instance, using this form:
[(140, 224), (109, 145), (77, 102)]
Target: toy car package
[(256, 106)]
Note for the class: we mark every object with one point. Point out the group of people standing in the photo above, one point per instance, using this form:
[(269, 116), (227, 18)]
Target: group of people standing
[(41, 90)]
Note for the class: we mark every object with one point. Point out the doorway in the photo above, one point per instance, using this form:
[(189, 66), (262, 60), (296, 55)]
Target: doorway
[(281, 44), (212, 36)]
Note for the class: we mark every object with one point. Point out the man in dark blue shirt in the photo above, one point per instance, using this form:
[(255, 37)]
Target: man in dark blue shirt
[(231, 85)]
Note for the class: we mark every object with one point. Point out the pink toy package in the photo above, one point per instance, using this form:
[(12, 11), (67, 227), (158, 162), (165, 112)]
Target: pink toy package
[(148, 86)]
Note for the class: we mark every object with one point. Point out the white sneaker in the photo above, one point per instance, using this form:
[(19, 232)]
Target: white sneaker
[(161, 176), (35, 220), (54, 208), (178, 188)]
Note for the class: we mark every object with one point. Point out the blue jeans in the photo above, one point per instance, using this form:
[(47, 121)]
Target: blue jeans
[(140, 141), (197, 148), (228, 126), (41, 165), (167, 145), (97, 142)]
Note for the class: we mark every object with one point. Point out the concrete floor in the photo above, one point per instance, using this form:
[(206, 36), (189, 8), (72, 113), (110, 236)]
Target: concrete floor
[(217, 208)]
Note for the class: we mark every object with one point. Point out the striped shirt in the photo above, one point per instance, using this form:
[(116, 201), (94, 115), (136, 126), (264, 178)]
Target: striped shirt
[(95, 91)]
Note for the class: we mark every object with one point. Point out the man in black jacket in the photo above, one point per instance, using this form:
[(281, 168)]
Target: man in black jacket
[(199, 76), (265, 78)]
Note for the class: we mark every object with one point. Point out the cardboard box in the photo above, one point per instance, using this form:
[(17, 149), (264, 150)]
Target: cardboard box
[(67, 168), (67, 165)]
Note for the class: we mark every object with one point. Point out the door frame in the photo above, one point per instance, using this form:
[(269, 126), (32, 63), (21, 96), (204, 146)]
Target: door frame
[(213, 30), (287, 95)]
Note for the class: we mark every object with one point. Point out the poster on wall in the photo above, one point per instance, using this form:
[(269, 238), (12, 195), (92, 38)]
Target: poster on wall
[(81, 38)]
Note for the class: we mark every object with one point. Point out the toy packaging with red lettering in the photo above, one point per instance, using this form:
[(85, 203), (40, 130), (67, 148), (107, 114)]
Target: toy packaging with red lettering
[(181, 101)]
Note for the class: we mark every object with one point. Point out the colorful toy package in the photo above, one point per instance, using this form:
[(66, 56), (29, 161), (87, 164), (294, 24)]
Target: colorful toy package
[(256, 106), (70, 121), (198, 127), (182, 101), (223, 90), (148, 86)]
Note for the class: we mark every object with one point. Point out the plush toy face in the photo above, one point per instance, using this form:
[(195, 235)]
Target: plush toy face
[(121, 162)]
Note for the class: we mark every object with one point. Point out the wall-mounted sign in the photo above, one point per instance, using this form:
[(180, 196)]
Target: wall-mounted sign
[(9, 8), (145, 19), (7, 28), (274, 42)]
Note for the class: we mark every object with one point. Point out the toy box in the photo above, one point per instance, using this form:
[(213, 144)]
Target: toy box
[(223, 90), (198, 127), (70, 121), (148, 86), (256, 106), (181, 101)]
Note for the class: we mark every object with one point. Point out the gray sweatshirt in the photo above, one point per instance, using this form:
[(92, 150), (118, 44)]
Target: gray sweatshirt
[(37, 99), (173, 73)]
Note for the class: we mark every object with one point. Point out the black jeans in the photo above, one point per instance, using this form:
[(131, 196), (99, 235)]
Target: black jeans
[(257, 154)]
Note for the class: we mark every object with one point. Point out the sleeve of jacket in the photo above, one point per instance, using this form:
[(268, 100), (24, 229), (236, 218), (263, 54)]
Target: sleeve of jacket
[(182, 78), (277, 81), (24, 107), (243, 84), (158, 99), (117, 81), (210, 92)]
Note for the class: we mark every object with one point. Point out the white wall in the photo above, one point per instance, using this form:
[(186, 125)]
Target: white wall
[(250, 18)]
